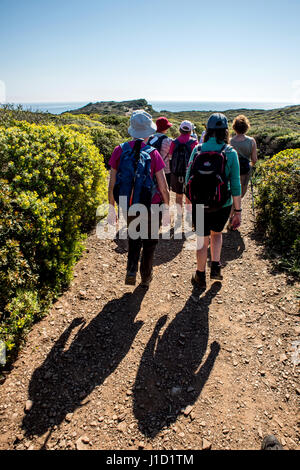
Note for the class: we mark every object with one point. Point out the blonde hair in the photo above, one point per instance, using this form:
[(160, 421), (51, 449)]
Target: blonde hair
[(241, 124)]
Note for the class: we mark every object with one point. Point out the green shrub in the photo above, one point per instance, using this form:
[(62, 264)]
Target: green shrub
[(52, 180), (278, 204), (106, 140), (116, 122)]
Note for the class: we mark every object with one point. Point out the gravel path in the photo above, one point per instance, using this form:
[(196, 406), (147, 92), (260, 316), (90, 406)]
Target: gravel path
[(115, 367)]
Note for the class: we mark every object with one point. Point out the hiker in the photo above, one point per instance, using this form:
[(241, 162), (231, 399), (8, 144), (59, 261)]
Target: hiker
[(134, 167), (162, 143), (247, 153), (246, 149), (180, 152), (213, 179), (202, 137), (193, 134)]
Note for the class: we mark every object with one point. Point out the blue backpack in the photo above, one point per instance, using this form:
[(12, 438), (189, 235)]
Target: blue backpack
[(134, 176)]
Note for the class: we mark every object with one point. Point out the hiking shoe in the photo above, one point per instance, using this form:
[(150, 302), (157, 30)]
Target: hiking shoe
[(199, 279), (215, 271), (270, 442), (146, 282), (130, 278)]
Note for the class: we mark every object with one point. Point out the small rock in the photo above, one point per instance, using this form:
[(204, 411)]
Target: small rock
[(69, 417), (206, 445), (28, 405), (282, 357), (187, 410), (122, 426), (81, 443)]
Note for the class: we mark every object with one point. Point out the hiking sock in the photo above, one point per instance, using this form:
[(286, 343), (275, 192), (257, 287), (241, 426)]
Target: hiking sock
[(200, 274), (215, 270), (199, 279)]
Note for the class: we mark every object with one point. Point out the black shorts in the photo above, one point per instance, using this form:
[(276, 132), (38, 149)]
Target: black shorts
[(213, 221), (177, 184)]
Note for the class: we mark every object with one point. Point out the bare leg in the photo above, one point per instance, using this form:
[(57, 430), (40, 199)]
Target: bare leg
[(179, 199), (202, 255), (216, 245)]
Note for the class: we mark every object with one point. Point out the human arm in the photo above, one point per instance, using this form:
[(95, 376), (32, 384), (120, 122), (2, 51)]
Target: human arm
[(237, 214), (254, 152), (162, 186), (112, 217), (171, 149), (235, 186)]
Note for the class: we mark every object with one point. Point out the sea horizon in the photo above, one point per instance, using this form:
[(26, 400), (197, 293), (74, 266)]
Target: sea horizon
[(158, 106)]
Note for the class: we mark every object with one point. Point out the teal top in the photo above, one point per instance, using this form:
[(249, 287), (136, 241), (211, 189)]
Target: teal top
[(232, 168)]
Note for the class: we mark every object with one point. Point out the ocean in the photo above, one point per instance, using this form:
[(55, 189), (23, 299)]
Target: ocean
[(173, 106)]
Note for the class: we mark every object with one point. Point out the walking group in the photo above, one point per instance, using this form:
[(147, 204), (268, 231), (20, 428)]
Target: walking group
[(211, 174)]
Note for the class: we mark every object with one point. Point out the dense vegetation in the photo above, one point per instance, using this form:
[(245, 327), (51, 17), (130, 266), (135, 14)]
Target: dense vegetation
[(114, 107), (274, 130), (52, 180), (278, 204)]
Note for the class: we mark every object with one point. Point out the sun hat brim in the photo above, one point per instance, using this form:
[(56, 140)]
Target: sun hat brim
[(143, 134)]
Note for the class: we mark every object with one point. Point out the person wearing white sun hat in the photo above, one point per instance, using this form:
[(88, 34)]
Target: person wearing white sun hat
[(141, 125), (141, 128)]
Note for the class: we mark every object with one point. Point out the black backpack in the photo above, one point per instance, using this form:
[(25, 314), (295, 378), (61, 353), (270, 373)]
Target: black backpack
[(207, 182), (156, 142), (180, 157), (244, 165)]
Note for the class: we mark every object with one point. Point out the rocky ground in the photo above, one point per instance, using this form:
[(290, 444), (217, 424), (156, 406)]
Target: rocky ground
[(118, 367)]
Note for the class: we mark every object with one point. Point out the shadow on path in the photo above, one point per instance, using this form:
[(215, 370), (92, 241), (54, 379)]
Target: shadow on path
[(233, 246), (170, 375), (67, 376), (166, 250)]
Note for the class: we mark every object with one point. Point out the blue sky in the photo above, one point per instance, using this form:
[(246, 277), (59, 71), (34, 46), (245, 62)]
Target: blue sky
[(75, 50)]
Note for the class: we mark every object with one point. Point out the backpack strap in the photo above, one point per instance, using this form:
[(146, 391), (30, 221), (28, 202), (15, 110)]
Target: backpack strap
[(148, 149), (125, 147)]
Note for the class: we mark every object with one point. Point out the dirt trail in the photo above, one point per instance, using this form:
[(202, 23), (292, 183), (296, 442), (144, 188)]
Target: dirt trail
[(115, 367)]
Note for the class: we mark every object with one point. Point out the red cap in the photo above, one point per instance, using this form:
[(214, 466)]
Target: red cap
[(162, 124)]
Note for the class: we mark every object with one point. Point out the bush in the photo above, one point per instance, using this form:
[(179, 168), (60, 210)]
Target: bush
[(52, 181), (278, 204), (106, 140), (116, 122)]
